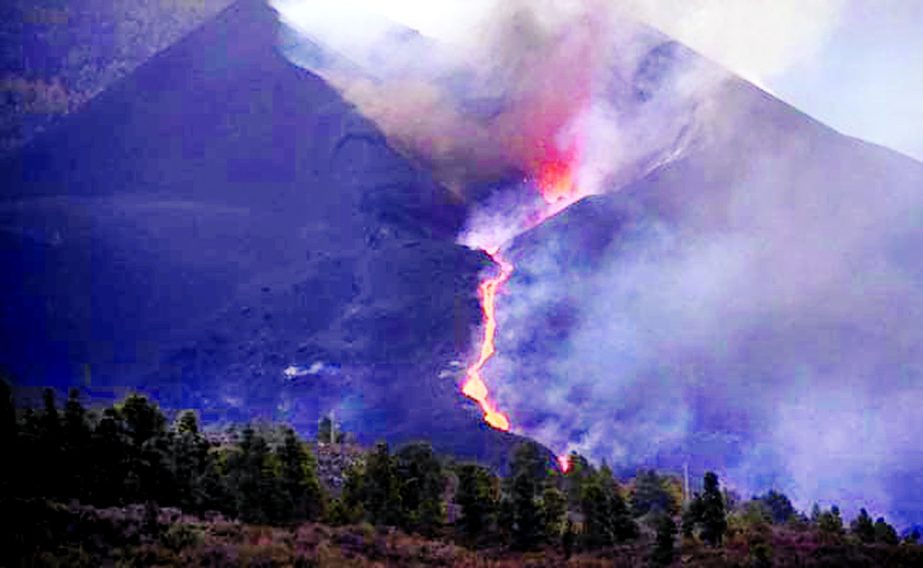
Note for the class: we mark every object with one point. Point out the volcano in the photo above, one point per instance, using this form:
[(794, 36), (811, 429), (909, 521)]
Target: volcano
[(222, 230)]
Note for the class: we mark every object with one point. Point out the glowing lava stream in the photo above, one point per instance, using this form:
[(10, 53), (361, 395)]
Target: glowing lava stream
[(557, 188), (556, 183), (474, 387)]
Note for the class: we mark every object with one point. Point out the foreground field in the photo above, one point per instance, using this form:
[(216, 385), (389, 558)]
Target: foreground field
[(52, 534)]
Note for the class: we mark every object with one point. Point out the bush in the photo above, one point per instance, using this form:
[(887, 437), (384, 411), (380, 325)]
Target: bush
[(181, 536)]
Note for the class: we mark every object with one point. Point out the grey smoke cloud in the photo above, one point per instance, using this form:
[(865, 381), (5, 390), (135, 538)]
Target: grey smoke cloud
[(768, 329), (529, 84), (760, 316)]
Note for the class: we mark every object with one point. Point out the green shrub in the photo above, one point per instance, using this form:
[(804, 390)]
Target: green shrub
[(181, 536)]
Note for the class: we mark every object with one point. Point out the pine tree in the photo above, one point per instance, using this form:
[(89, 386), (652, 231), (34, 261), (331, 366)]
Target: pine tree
[(624, 527), (348, 508), (650, 494), (578, 472), (863, 527), (885, 533), (554, 510), (477, 495), (148, 476), (713, 515), (7, 415), (188, 423), (692, 515), (505, 518), (597, 531), (423, 483), (830, 521), (188, 462), (780, 507), (815, 513), (255, 487), (664, 542), (76, 446), (528, 476), (382, 488), (50, 447), (607, 519), (143, 420), (303, 495), (50, 421), (214, 484), (568, 539), (109, 450)]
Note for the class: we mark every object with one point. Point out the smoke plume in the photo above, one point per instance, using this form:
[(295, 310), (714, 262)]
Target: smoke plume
[(532, 86), (767, 328), (741, 290)]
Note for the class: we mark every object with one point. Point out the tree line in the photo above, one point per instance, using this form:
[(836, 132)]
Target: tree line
[(130, 453)]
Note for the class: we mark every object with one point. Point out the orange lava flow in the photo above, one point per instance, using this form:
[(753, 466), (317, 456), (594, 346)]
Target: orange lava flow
[(556, 182), (474, 387)]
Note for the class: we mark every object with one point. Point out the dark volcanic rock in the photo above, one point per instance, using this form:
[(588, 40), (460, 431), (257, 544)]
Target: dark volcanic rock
[(220, 216)]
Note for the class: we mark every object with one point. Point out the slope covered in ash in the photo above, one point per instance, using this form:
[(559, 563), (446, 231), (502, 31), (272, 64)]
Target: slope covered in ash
[(220, 228), (58, 54), (751, 307)]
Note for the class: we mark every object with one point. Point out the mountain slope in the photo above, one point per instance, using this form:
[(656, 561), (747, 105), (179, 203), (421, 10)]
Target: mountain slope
[(752, 307), (57, 55), (220, 216)]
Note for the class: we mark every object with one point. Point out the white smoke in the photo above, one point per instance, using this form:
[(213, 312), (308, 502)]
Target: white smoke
[(764, 325), (525, 84), (756, 39), (766, 328)]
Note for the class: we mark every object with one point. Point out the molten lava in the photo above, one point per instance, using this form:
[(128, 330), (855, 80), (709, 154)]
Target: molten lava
[(555, 178), (556, 183), (474, 387)]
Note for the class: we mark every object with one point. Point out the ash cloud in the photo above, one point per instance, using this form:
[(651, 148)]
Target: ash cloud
[(528, 84)]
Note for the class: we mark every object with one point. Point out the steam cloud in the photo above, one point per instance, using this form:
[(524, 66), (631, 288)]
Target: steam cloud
[(768, 329)]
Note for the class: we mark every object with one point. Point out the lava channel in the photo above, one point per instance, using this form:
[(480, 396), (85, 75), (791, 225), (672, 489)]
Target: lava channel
[(556, 184), (474, 387)]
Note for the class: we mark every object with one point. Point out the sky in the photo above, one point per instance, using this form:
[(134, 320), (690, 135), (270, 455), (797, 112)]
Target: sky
[(853, 64), (866, 80)]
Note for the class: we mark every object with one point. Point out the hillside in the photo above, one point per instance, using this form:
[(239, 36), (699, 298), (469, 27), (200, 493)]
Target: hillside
[(227, 224), (754, 303)]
